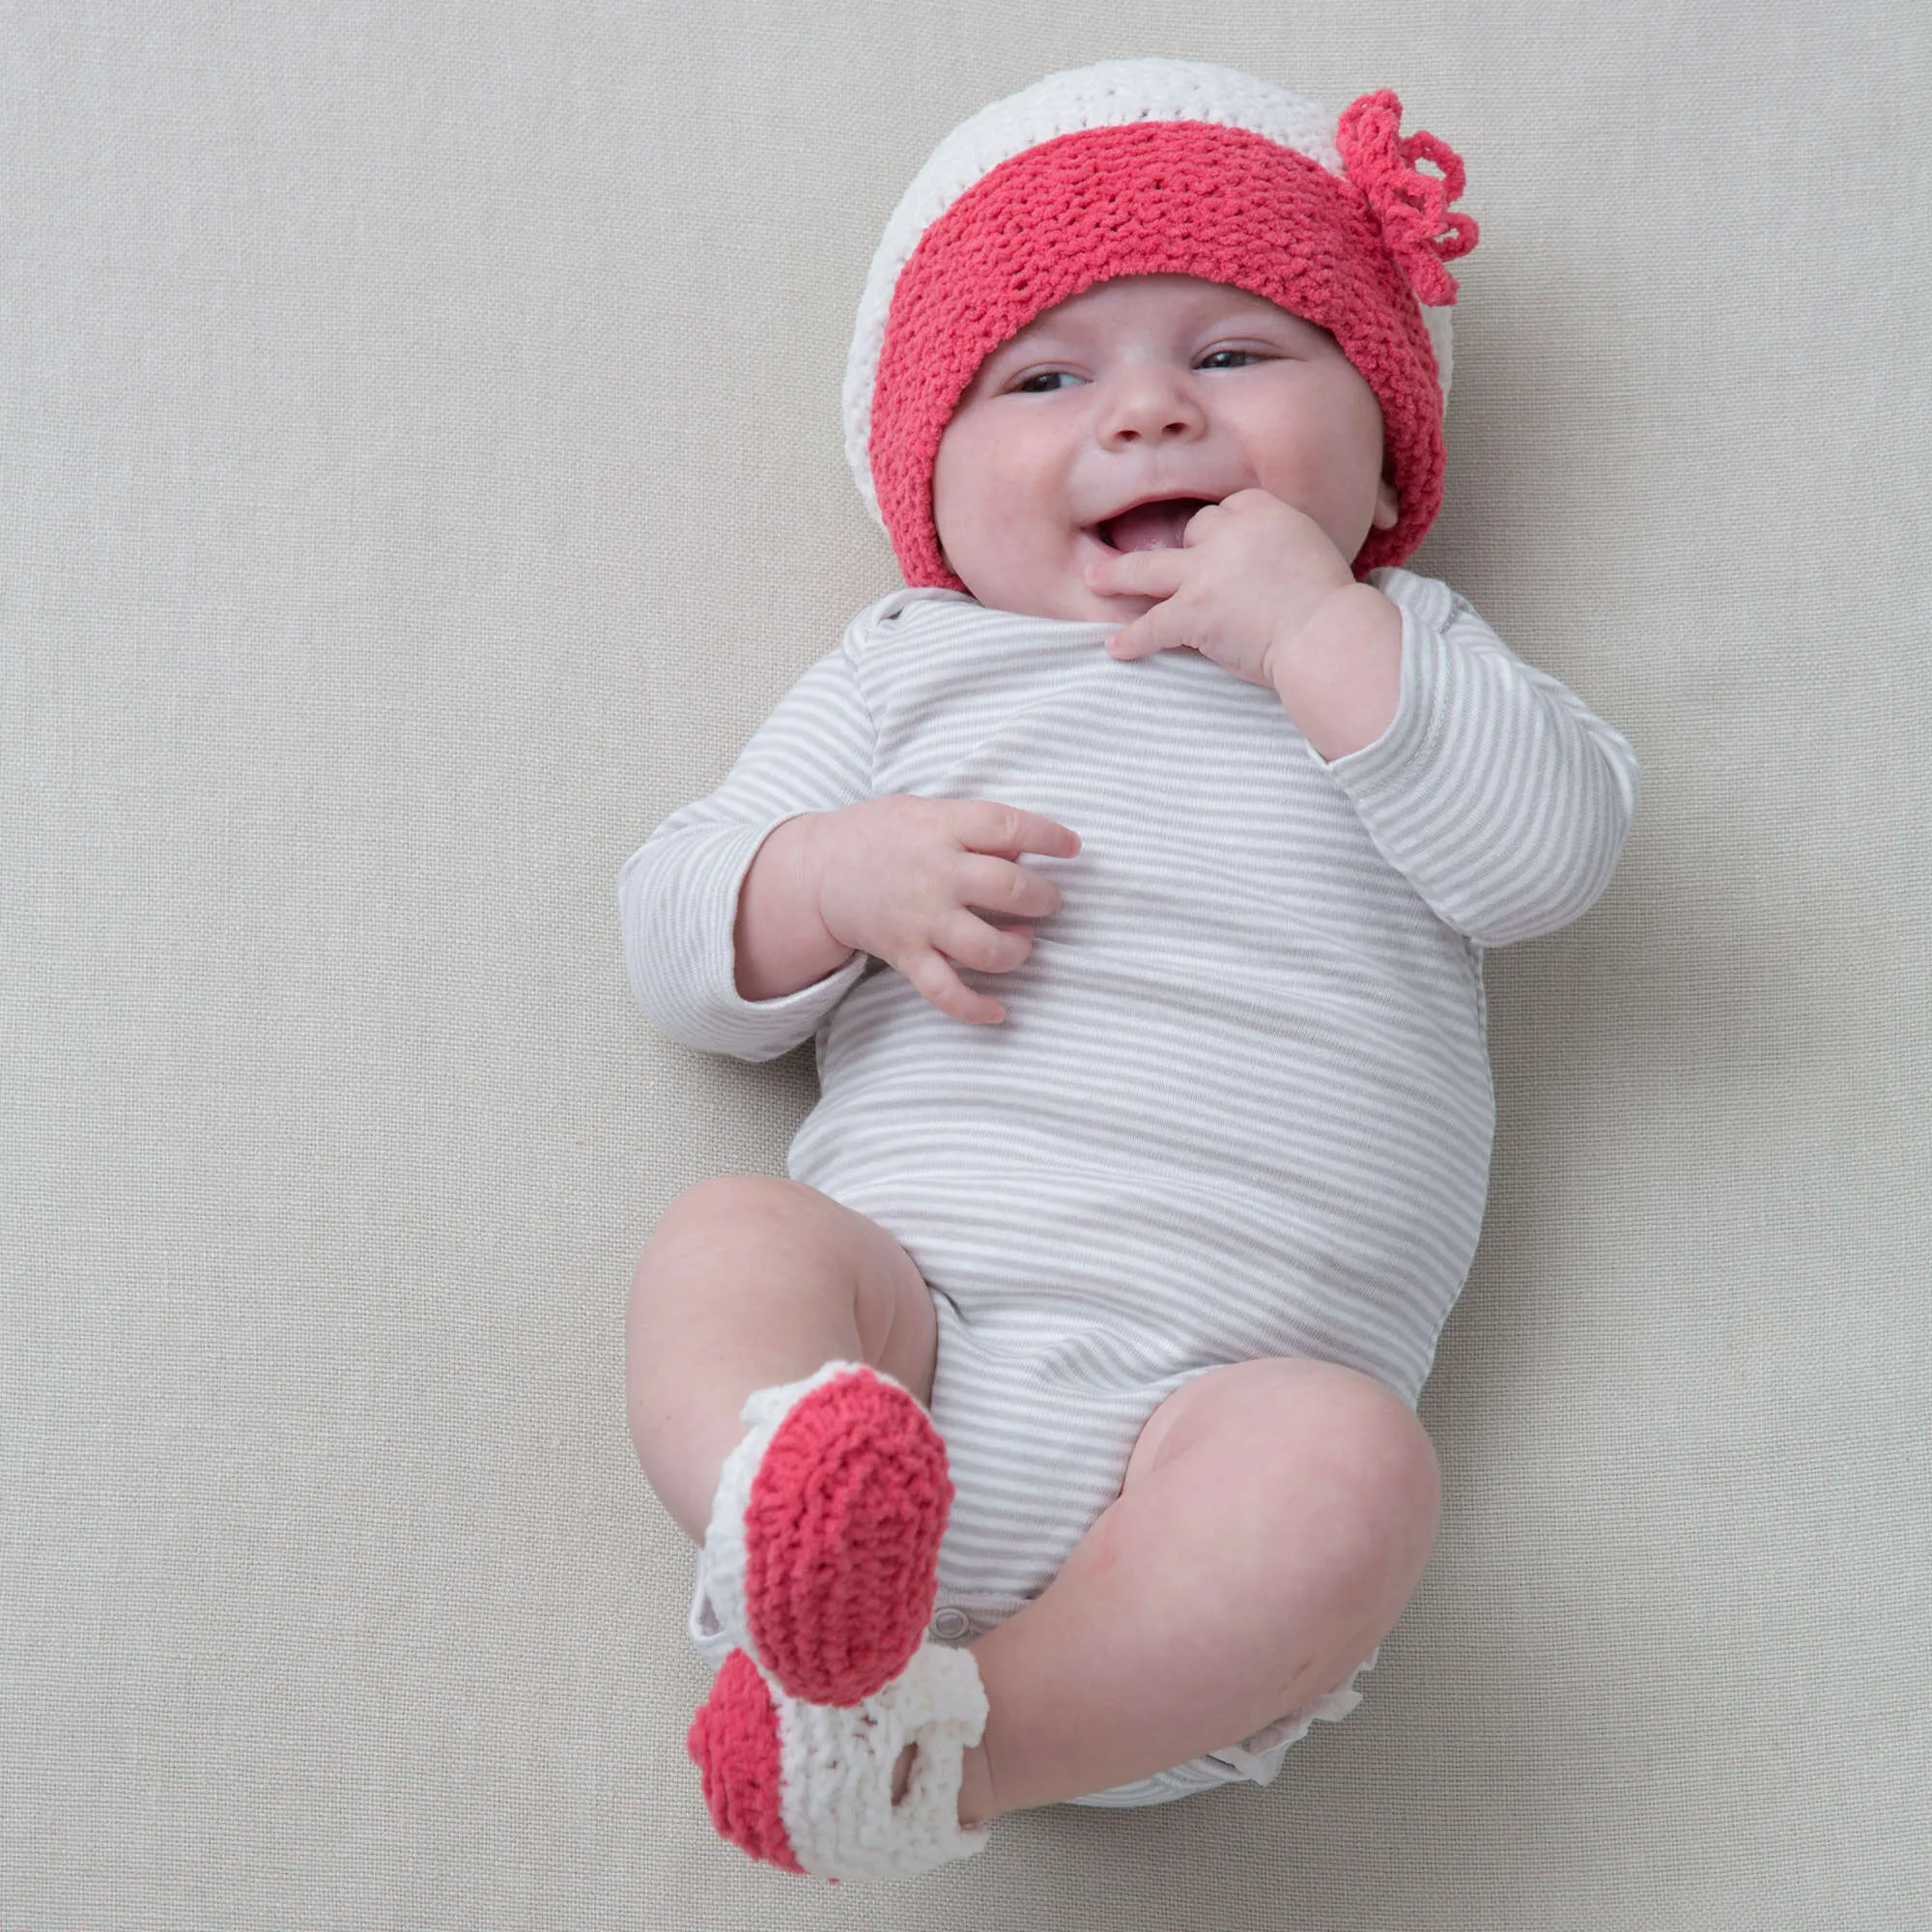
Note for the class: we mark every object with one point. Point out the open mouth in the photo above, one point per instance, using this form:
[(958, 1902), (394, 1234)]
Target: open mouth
[(1156, 526)]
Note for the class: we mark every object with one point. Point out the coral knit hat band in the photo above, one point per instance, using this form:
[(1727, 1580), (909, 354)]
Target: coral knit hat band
[(1156, 167)]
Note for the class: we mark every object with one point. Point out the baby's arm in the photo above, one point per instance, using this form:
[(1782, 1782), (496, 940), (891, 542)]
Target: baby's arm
[(746, 914), (1496, 790), (781, 942), (679, 893)]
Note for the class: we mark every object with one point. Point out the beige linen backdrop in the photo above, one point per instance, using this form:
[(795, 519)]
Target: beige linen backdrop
[(420, 440)]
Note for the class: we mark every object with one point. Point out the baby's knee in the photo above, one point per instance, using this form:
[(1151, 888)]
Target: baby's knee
[(1374, 1447), (1386, 1433), (729, 1200), (691, 1243), (1295, 1436), (712, 1217), (1386, 1476)]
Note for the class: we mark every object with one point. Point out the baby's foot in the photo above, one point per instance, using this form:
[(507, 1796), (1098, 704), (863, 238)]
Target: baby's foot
[(822, 1552), (811, 1787)]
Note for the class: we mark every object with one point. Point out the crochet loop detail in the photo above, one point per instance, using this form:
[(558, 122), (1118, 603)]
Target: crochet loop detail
[(1411, 207)]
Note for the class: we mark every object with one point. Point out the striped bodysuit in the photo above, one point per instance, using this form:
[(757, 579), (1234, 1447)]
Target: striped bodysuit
[(1240, 1105)]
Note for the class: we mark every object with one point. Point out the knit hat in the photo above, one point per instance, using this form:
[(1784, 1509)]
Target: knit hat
[(1137, 167)]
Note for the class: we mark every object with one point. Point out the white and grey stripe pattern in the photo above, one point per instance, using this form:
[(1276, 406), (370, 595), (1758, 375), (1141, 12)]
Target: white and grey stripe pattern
[(1240, 1105)]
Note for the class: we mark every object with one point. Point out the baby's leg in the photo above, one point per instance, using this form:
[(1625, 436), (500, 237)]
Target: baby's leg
[(748, 1281), (1275, 1517)]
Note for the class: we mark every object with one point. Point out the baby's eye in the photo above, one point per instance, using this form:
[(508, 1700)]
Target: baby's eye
[(1027, 385)]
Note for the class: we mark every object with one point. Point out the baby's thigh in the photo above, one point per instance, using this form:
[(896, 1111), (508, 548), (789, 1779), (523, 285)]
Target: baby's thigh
[(752, 1264)]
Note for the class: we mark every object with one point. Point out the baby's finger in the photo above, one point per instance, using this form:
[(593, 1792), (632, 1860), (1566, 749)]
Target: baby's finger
[(1158, 630), (1138, 640), (932, 977), (1140, 573), (988, 827), (991, 948), (1004, 885)]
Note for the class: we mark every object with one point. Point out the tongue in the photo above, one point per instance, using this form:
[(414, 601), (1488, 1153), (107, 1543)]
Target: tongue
[(1154, 525)]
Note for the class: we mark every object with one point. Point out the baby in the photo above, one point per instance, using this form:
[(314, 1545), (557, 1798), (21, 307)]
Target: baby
[(1050, 1434)]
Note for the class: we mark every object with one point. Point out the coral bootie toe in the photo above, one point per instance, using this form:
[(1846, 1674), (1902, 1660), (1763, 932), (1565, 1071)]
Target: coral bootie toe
[(822, 1551), (734, 1743), (808, 1787)]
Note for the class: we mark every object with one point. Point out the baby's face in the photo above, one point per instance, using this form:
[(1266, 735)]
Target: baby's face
[(1143, 388)]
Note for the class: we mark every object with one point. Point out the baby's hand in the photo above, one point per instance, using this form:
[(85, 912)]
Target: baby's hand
[(896, 875), (1250, 573)]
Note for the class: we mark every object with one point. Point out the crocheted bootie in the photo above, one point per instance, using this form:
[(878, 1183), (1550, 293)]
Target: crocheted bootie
[(822, 1552), (809, 1788)]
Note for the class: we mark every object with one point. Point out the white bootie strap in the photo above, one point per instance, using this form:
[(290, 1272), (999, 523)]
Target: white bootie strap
[(837, 1766)]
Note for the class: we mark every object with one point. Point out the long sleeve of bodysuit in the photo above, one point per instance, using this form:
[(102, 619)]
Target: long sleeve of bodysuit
[(678, 893), (1495, 792)]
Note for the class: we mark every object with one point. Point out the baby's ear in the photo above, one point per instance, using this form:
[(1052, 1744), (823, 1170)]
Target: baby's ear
[(1388, 506)]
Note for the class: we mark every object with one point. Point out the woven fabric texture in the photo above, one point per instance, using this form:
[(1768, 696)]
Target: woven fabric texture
[(424, 468)]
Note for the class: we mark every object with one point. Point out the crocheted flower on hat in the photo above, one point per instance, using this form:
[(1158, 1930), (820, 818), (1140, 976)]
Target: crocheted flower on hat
[(1411, 207)]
